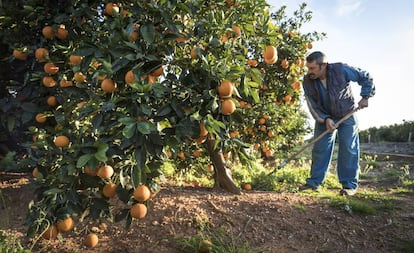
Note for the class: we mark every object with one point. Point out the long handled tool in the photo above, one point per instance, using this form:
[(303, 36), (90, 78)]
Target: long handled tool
[(293, 156)]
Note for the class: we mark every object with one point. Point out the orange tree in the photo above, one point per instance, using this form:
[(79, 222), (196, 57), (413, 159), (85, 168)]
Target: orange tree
[(118, 88)]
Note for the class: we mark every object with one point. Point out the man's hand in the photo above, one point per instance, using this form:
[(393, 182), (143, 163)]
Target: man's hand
[(330, 124), (363, 103)]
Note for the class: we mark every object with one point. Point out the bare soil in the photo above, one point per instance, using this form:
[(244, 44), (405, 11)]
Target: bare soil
[(266, 221)]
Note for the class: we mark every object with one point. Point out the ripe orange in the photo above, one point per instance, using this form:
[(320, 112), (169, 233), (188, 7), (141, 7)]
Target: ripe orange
[(50, 233), (75, 59), (309, 46), (225, 90), (111, 8), (182, 38), (284, 64), (52, 101), (138, 211), (196, 153), (79, 77), (62, 141), (65, 83), (142, 193), (236, 30), (108, 85), (50, 68), (181, 155), (262, 121), (48, 81), (296, 85), (287, 98), (270, 134), (109, 190), (40, 118), (270, 54), (133, 36), (105, 172), (65, 225), (234, 134), (130, 77), (205, 246), (42, 54), (203, 130), (193, 53), (20, 55), (149, 78), (157, 72), (91, 240), (252, 62), (90, 172), (62, 33), (35, 172), (247, 187), (48, 32), (228, 107), (210, 167)]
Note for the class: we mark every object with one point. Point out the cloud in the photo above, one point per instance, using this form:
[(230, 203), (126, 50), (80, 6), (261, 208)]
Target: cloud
[(348, 7)]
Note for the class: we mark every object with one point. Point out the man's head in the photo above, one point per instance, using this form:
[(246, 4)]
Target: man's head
[(316, 63)]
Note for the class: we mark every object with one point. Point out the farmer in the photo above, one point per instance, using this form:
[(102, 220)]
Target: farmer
[(329, 97)]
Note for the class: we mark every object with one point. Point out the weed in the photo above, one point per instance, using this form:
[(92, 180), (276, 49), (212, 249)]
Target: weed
[(11, 244)]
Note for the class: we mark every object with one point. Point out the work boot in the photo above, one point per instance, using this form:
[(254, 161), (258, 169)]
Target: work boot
[(347, 192)]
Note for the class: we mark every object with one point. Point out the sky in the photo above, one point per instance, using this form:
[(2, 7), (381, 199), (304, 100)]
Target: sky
[(376, 36)]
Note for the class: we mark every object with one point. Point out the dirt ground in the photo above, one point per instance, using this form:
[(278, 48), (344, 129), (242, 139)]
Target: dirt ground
[(267, 221)]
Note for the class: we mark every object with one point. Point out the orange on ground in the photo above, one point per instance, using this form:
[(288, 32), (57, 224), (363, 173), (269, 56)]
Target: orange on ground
[(227, 107), (50, 68), (111, 8), (130, 77), (62, 33), (52, 101), (203, 130), (138, 211), (225, 90), (105, 172), (48, 81), (142, 193), (79, 77), (91, 240), (50, 233), (90, 172), (20, 55), (48, 32), (247, 187), (62, 141), (40, 118), (270, 54), (65, 225), (205, 246), (65, 83), (108, 85), (157, 72), (42, 54), (75, 59), (109, 190)]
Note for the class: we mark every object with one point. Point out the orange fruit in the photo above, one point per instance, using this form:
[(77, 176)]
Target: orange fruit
[(108, 85), (133, 36), (35, 172), (50, 233), (287, 98), (111, 8), (296, 85), (168, 153), (48, 32), (225, 90), (196, 153), (50, 68), (65, 83), (62, 33), (105, 172), (205, 246), (48, 81), (109, 190), (149, 78), (40, 118), (130, 77), (65, 225), (181, 155), (52, 101), (142, 193), (75, 59), (193, 53), (270, 134), (203, 130), (138, 211), (233, 134), (90, 172), (227, 107), (236, 30), (309, 46), (284, 64), (262, 121), (263, 128), (79, 77), (42, 54), (210, 167), (157, 72), (270, 54), (247, 187), (182, 37), (91, 240), (62, 141), (252, 62), (20, 55), (268, 153)]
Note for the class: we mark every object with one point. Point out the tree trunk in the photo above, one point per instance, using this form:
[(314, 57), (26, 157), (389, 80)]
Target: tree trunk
[(222, 175)]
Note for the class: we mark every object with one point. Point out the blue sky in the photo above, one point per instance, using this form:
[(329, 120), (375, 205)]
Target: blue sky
[(377, 36)]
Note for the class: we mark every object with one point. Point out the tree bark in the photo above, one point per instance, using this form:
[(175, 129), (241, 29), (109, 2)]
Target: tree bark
[(222, 174)]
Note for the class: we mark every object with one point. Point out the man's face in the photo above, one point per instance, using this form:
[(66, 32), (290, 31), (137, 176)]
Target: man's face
[(315, 70)]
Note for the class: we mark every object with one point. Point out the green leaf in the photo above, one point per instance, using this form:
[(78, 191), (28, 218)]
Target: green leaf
[(148, 32), (52, 191), (127, 120), (11, 123), (146, 127), (100, 155), (83, 160), (129, 130)]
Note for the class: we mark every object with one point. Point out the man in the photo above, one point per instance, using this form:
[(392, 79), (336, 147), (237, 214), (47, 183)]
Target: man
[(329, 97)]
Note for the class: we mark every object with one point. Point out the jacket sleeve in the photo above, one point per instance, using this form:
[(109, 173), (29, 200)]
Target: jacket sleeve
[(362, 77), (314, 109)]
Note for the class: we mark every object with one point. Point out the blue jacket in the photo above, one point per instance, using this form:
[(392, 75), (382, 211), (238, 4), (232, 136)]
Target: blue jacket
[(337, 100)]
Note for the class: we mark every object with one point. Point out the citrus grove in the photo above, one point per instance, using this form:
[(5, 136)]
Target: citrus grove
[(110, 91)]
